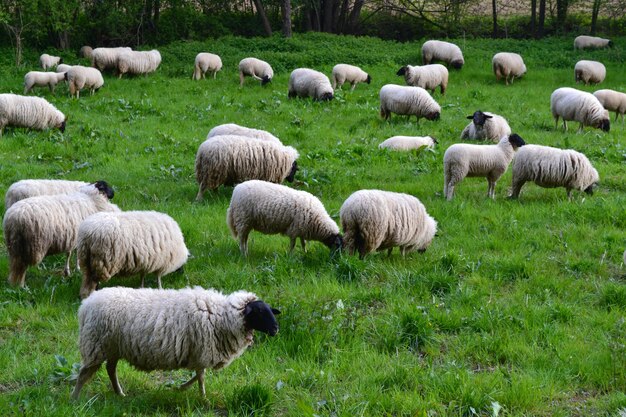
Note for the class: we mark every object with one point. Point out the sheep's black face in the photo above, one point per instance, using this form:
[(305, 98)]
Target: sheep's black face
[(457, 64), (65, 76), (433, 116), (260, 316), (369, 79), (516, 140), (334, 243), (292, 173), (105, 189), (589, 190), (401, 71), (326, 97), (62, 127), (434, 140), (61, 61), (610, 44), (479, 118), (266, 80), (605, 125)]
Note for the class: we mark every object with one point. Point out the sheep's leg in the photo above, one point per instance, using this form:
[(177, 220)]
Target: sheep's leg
[(516, 188), (159, 282), (112, 371), (243, 242), (565, 124), (214, 74), (569, 194), (580, 128), (303, 244), (67, 270), (17, 272), (241, 79), (85, 374), (143, 278), (353, 86), (556, 122), (491, 189), (403, 251), (200, 193), (292, 244), (200, 375), (450, 191), (391, 250)]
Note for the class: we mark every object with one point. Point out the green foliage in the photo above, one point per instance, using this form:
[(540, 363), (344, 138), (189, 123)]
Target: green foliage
[(251, 400)]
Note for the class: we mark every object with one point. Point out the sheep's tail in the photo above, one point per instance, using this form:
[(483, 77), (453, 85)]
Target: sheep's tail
[(196, 72), (230, 221), (359, 240), (497, 70)]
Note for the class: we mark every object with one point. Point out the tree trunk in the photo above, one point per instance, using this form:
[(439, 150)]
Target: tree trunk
[(327, 25), (306, 18), (594, 15), (494, 11), (533, 16), (353, 19), (561, 13), (286, 10), (261, 11), (542, 18)]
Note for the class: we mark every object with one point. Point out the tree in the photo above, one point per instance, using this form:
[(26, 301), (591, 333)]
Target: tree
[(595, 10), (494, 11), (264, 20), (542, 18), (286, 12), (13, 16), (561, 13), (533, 16)]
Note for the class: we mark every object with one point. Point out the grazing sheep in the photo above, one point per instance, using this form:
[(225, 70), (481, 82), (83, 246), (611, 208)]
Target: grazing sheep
[(305, 82), (128, 243), (591, 42), (552, 167), (486, 125), (49, 61), (46, 225), (508, 65), (378, 220), (42, 79), (206, 62), (138, 62), (429, 77), (233, 129), (406, 143), (31, 112), (255, 68), (589, 72), (63, 68), (191, 328), (349, 73), (613, 101), (408, 101), (571, 104), (80, 77), (229, 160), (85, 51), (106, 58), (274, 208), (32, 188), (491, 161), (442, 51)]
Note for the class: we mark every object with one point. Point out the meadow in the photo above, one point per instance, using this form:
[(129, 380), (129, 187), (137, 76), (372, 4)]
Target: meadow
[(516, 309)]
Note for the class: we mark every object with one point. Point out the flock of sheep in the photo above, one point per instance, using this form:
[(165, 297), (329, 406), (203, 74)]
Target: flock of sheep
[(204, 328)]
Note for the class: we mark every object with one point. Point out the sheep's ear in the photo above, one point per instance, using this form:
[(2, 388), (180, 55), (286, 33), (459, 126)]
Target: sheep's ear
[(275, 311), (470, 117), (487, 116), (401, 71)]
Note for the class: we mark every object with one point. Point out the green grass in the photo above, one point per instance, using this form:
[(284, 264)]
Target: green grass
[(516, 304)]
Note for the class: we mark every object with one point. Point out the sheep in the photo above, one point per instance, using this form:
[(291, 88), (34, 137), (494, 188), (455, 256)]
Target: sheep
[(274, 208), (351, 74), (63, 68), (31, 112), (405, 143), (236, 130), (589, 72), (508, 65), (232, 159), (49, 61), (128, 243), (552, 167), (190, 328), (106, 58), (408, 101), (206, 62), (42, 79), (305, 82), (32, 188), (485, 125), (378, 220), (442, 51), (85, 51), (138, 62), (46, 225), (613, 101), (429, 77), (571, 104), (466, 160), (255, 68), (586, 42), (80, 77)]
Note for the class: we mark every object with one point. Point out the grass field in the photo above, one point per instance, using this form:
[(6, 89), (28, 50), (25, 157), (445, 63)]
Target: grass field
[(517, 308)]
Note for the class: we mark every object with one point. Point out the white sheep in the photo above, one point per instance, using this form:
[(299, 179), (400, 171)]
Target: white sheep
[(31, 112), (206, 62), (305, 82), (343, 73), (237, 130), (32, 188), (191, 328), (552, 167), (138, 62), (46, 225), (255, 68), (273, 208), (63, 68), (613, 101), (589, 72), (378, 220), (485, 125), (442, 51), (106, 58), (508, 65), (85, 51), (42, 79), (408, 101), (49, 61), (80, 77), (128, 243), (592, 42), (229, 160), (466, 160), (429, 77), (571, 104), (406, 143)]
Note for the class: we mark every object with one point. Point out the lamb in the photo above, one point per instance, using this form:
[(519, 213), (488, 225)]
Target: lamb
[(46, 225), (491, 161), (349, 73), (49, 61), (378, 220), (42, 79), (255, 68), (428, 77), (274, 208), (589, 72), (106, 58), (508, 65), (232, 159), (236, 130), (206, 62), (32, 188), (406, 143), (591, 42), (63, 68), (442, 51), (571, 104), (128, 243), (85, 51), (191, 328), (486, 125), (31, 112), (408, 101), (80, 77), (138, 62), (552, 167), (305, 82), (613, 101)]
